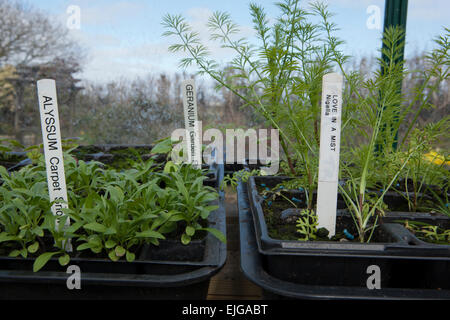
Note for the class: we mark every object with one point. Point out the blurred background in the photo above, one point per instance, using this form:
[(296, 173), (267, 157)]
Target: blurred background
[(118, 83)]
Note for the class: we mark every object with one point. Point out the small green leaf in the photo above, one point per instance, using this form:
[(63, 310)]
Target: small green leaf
[(84, 246), (219, 235), (96, 249), (24, 252), (31, 148), (95, 240), (170, 167), (168, 227), (64, 259), (149, 234), (130, 256), (74, 227), (211, 208), (32, 248), (95, 226), (120, 251), (5, 237), (185, 239), (110, 231), (16, 144), (116, 194), (204, 214), (190, 231), (163, 147), (38, 231), (42, 260), (110, 244), (14, 253), (112, 255)]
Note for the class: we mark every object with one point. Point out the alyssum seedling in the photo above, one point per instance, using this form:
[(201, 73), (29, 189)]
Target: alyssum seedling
[(112, 213)]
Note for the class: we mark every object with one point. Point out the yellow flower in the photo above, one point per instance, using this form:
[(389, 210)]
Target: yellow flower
[(436, 158)]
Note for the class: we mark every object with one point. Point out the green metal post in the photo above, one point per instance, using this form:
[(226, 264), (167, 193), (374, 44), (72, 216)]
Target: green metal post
[(395, 13)]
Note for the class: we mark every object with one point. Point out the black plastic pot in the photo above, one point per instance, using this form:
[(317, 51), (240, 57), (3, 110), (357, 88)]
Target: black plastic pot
[(107, 153), (170, 271), (233, 167), (11, 159), (410, 268)]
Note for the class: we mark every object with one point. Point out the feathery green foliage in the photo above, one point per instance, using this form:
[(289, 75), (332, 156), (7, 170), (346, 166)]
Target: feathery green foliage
[(282, 74), (283, 77)]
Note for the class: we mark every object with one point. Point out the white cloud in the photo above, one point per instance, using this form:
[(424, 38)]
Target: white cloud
[(118, 48), (111, 13), (352, 3), (198, 19), (111, 62), (417, 9), (434, 10)]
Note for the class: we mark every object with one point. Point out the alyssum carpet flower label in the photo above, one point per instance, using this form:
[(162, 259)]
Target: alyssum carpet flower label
[(51, 137)]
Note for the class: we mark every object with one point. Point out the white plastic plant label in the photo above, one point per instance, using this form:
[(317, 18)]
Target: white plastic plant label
[(193, 139), (51, 138), (330, 136)]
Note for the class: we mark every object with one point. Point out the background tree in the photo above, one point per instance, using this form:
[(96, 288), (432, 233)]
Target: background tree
[(32, 46), (29, 36)]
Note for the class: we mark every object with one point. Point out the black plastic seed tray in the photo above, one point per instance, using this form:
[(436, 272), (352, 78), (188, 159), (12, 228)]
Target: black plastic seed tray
[(170, 277), (172, 271), (395, 238), (324, 273)]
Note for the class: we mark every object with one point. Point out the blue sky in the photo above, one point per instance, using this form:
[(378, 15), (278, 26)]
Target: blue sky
[(123, 38)]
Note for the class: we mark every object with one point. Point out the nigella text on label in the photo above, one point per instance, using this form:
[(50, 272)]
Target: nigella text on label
[(331, 104)]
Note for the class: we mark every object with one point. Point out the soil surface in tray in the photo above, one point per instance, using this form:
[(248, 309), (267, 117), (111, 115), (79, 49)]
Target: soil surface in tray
[(398, 202), (427, 233), (282, 230), (396, 199)]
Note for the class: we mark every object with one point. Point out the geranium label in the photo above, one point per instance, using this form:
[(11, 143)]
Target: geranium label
[(330, 136), (51, 139), (193, 138)]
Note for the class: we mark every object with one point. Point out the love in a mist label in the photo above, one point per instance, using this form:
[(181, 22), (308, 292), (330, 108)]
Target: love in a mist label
[(51, 137), (330, 137), (191, 123)]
